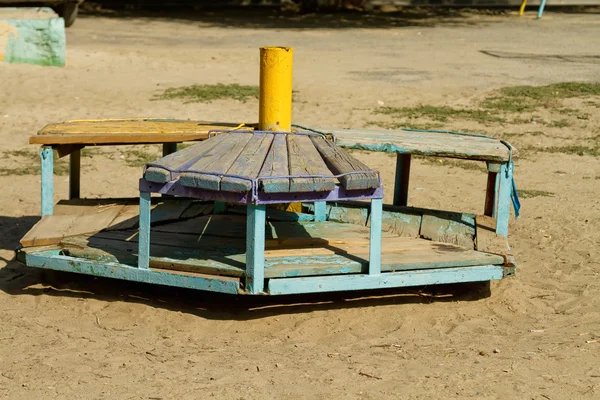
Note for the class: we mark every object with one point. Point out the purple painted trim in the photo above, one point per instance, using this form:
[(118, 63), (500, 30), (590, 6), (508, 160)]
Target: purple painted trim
[(338, 194), (216, 131)]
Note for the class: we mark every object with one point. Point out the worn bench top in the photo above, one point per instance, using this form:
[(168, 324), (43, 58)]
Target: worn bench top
[(146, 130), (267, 161), (125, 131), (422, 143)]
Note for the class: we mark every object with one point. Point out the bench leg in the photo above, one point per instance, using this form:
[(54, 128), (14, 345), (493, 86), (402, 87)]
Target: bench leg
[(504, 188), (541, 9), (255, 248), (169, 148), (75, 174), (401, 179), (320, 211), (144, 231), (47, 172), (375, 237)]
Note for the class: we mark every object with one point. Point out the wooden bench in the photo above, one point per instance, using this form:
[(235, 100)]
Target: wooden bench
[(496, 153), (68, 138)]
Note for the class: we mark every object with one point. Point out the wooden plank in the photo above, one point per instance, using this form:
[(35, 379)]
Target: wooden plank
[(443, 228), (488, 241), (356, 260), (197, 209), (126, 131), (276, 164), (213, 260), (248, 163), (53, 261), (422, 143), (340, 162), (52, 229), (178, 160), (217, 161), (398, 279), (304, 159)]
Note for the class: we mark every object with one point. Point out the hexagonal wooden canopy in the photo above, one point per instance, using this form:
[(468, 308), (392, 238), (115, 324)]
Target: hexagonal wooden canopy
[(272, 162)]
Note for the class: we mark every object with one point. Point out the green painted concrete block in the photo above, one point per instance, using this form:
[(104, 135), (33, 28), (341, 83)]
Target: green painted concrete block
[(33, 36)]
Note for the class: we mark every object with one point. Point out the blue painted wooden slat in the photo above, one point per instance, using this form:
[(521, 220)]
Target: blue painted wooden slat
[(320, 211), (385, 280), (47, 170), (50, 260), (503, 191), (375, 237), (144, 231), (255, 248)]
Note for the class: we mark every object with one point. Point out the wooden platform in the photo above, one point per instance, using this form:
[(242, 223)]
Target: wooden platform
[(187, 239)]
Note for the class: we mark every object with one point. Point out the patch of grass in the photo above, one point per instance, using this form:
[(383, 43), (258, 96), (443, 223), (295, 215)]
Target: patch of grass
[(401, 125), (138, 157), (29, 164), (556, 90), (563, 123), (527, 194), (567, 111), (439, 113), (573, 150), (448, 162), (516, 99), (208, 93), (515, 134)]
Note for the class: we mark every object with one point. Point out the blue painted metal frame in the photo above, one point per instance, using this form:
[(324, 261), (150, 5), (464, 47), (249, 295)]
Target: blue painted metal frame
[(276, 286), (502, 198), (320, 211), (144, 231), (55, 261), (255, 248), (541, 9), (338, 283), (375, 237), (47, 172), (338, 194)]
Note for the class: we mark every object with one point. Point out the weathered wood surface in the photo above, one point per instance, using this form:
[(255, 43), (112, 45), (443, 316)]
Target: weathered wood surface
[(212, 255), (217, 161), (276, 164), (247, 164), (421, 143), (312, 161), (89, 216), (340, 162), (179, 159), (304, 159), (126, 131), (440, 226)]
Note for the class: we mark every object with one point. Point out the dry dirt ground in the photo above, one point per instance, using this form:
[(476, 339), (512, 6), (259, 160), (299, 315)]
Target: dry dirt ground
[(77, 337)]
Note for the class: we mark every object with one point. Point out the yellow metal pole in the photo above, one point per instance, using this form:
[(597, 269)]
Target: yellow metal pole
[(522, 9), (275, 102)]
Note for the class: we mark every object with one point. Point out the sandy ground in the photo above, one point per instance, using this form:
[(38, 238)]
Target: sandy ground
[(76, 337)]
